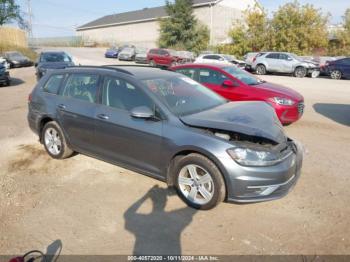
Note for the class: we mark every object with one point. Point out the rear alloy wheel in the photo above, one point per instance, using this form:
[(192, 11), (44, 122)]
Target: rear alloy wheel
[(261, 70), (199, 182), (54, 141), (336, 74), (300, 72)]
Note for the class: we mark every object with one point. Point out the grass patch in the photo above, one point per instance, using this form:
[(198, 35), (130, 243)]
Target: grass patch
[(24, 50)]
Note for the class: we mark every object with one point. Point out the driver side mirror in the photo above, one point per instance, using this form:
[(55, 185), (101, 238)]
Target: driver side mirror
[(229, 83), (142, 112)]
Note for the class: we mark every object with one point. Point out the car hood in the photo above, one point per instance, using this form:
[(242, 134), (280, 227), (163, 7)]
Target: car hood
[(111, 52), (55, 65), (256, 119), (281, 91), (141, 55)]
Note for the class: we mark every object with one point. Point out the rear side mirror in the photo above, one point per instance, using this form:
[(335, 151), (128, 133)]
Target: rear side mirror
[(142, 112), (229, 83)]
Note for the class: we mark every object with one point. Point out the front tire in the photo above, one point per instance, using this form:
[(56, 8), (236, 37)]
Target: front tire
[(54, 141), (336, 74), (199, 182), (261, 70), (300, 72)]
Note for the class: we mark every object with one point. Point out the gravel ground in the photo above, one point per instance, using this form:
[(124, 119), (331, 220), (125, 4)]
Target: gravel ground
[(91, 207)]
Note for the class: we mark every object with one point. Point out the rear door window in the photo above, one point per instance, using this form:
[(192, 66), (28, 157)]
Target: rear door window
[(53, 84), (273, 56), (82, 87), (190, 72), (211, 76)]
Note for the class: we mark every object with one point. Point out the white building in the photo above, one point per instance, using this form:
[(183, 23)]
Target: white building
[(141, 27)]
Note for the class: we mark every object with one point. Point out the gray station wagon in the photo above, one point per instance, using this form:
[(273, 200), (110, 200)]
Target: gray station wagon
[(167, 126)]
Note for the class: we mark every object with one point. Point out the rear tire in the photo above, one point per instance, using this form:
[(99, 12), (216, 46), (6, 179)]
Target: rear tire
[(54, 141), (336, 74), (199, 182), (152, 63), (260, 70), (300, 72)]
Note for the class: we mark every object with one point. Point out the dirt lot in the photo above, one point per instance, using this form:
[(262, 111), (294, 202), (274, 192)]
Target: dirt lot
[(91, 207)]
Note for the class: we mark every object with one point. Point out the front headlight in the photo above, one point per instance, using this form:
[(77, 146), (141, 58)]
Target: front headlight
[(283, 101), (251, 157)]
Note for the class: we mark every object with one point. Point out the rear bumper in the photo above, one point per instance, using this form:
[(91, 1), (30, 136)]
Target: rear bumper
[(257, 184)]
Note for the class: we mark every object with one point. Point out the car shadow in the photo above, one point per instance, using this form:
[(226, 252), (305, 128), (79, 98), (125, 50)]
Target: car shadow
[(14, 82), (53, 251), (159, 232), (339, 113)]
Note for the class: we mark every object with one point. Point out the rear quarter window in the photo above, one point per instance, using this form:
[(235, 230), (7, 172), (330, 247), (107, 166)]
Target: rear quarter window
[(53, 84)]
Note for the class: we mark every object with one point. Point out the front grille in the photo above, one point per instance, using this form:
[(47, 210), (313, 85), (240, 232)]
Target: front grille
[(301, 107)]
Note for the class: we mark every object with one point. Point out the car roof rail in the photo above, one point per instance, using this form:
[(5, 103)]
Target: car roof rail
[(102, 67)]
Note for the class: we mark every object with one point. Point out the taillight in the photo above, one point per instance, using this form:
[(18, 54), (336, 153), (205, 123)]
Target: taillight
[(30, 98), (254, 59)]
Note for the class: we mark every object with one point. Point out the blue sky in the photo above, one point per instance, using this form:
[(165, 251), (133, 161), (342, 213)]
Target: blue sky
[(60, 17)]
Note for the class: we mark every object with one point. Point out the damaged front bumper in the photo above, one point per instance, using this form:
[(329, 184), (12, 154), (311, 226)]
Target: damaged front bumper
[(255, 184)]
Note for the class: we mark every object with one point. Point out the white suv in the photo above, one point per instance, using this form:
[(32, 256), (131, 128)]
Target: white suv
[(281, 62)]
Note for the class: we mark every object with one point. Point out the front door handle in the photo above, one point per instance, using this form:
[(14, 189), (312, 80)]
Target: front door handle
[(103, 116), (62, 106)]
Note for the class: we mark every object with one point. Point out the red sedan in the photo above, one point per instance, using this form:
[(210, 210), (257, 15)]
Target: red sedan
[(238, 85)]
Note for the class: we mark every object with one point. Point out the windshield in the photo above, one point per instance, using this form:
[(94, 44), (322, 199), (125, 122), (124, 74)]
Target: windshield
[(183, 96), (141, 50), (128, 50), (242, 75), (55, 57)]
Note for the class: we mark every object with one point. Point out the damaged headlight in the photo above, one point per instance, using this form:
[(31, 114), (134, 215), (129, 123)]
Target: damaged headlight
[(251, 157)]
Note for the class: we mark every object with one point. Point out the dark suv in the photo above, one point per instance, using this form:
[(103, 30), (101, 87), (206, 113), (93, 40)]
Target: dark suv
[(167, 126), (162, 57), (4, 76)]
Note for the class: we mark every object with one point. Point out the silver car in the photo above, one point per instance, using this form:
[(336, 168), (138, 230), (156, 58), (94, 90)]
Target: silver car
[(282, 62), (167, 126)]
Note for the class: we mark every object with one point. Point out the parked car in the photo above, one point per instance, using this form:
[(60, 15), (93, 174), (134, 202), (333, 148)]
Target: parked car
[(186, 56), (127, 54), (3, 61), (4, 76), (282, 62), (162, 57), (167, 126), (52, 60), (141, 55), (339, 68), (249, 59), (112, 52), (17, 59), (220, 59), (236, 84)]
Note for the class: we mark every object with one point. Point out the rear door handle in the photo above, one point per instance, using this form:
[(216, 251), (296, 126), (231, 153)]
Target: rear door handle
[(61, 106), (103, 116)]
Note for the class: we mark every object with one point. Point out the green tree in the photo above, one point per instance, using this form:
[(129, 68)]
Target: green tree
[(9, 12), (181, 30), (251, 34), (340, 45), (299, 28)]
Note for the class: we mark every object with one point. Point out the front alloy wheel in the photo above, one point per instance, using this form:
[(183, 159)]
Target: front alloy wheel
[(196, 184), (300, 72), (199, 182)]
